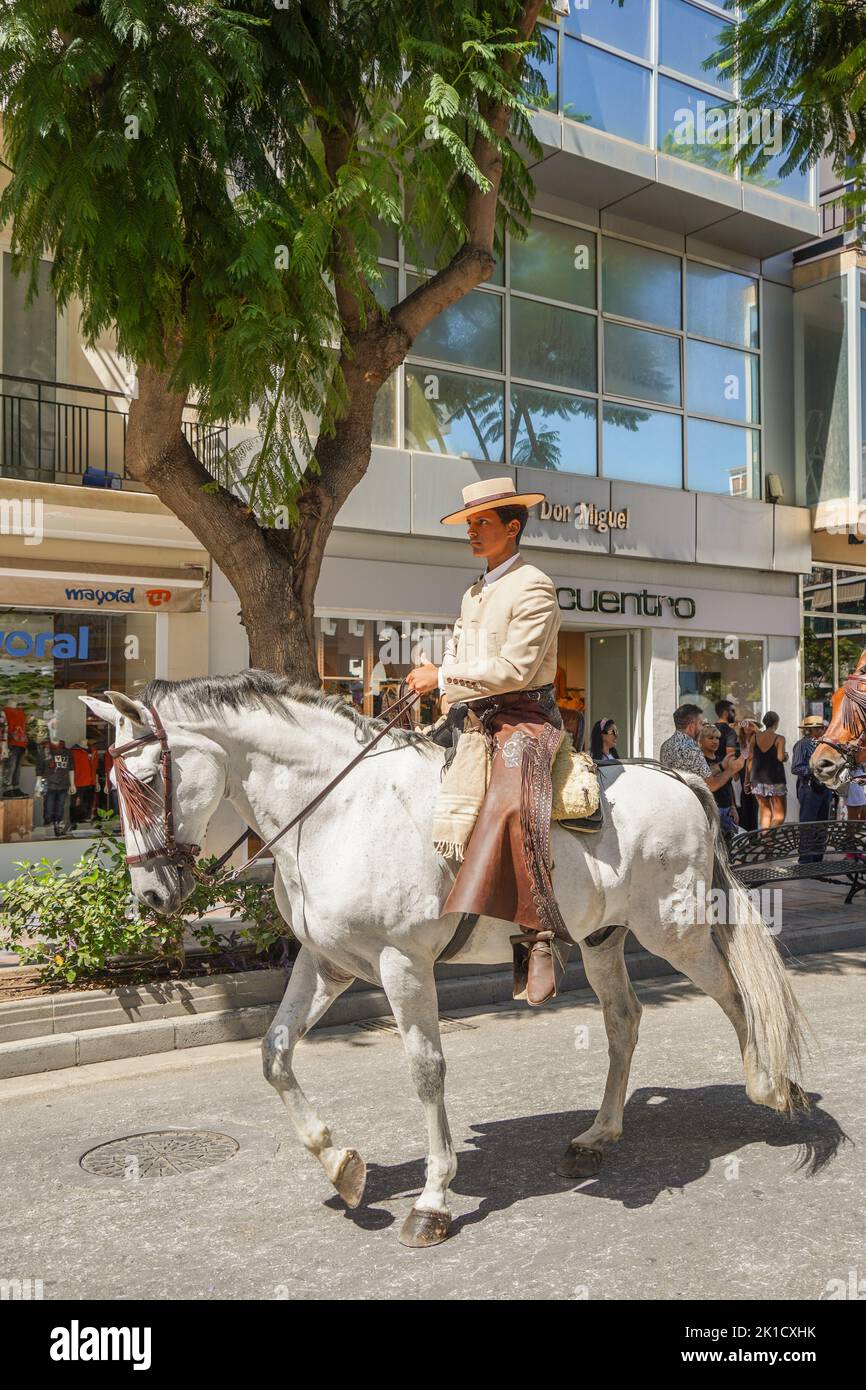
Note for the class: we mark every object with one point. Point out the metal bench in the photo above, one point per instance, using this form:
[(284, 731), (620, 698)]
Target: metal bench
[(772, 856)]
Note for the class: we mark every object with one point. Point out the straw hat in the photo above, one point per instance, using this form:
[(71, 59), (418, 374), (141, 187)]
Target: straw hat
[(490, 493), (813, 721)]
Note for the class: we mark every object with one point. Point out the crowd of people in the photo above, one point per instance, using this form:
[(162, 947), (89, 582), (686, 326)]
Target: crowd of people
[(743, 762)]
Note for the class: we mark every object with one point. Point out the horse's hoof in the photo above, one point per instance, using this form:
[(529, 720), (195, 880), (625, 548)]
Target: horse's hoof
[(580, 1162), (350, 1177), (423, 1228)]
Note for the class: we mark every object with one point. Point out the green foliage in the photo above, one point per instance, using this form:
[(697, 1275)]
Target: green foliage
[(178, 160), (84, 922), (807, 60)]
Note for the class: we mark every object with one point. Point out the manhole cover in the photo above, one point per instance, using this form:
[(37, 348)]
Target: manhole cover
[(162, 1153)]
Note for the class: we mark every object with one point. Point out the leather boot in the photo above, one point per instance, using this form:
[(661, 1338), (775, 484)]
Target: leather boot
[(539, 961)]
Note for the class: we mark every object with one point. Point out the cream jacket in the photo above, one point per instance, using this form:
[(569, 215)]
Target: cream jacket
[(505, 637)]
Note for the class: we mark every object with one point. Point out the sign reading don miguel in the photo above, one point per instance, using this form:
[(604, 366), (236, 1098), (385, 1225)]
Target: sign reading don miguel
[(584, 516)]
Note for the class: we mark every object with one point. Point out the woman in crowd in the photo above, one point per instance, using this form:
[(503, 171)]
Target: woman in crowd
[(602, 741), (765, 772), (708, 740)]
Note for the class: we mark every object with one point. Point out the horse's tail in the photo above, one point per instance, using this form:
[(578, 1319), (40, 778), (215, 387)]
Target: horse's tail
[(774, 1021)]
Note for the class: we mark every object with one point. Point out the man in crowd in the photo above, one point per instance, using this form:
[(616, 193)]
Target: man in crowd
[(813, 797), (681, 752)]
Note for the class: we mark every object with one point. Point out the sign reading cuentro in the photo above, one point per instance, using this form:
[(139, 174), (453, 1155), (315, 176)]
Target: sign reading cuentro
[(643, 603)]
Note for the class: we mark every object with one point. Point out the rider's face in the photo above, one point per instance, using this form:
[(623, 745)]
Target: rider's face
[(489, 535)]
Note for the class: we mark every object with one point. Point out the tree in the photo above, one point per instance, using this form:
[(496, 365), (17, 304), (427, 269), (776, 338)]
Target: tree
[(209, 179)]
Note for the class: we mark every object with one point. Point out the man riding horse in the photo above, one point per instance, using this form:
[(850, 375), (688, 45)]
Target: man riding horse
[(498, 670)]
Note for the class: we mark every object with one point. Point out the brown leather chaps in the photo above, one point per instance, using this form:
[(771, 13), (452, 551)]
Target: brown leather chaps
[(506, 869)]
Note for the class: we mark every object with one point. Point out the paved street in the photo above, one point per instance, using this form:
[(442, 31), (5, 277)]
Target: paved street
[(706, 1196)]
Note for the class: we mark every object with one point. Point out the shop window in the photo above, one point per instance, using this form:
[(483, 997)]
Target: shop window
[(641, 364), (556, 261), (642, 446), (722, 668), (363, 660), (554, 346), (722, 305), (724, 458), (687, 37), (48, 660), (851, 592), (723, 382), (550, 430), (468, 333), (818, 661), (638, 283), (449, 413), (850, 642), (818, 591), (605, 92)]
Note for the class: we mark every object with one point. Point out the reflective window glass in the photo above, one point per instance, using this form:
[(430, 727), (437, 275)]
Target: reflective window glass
[(385, 412), (724, 458), (722, 304), (796, 185), (448, 413), (642, 446), (556, 346), (850, 642), (386, 292), (605, 92), (549, 430), (851, 591), (556, 261), (640, 284), (468, 332), (817, 661), (687, 36), (641, 364), (818, 591), (622, 26), (694, 126), (540, 80), (722, 668), (723, 382)]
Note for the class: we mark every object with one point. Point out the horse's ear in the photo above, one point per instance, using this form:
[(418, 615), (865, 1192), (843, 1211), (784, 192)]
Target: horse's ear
[(101, 708), (130, 708)]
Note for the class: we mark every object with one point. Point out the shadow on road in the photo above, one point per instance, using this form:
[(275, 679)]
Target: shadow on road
[(671, 1137)]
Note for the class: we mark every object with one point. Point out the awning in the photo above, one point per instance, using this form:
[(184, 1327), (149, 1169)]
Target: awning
[(101, 589)]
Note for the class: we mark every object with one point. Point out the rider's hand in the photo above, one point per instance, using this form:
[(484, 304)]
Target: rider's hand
[(423, 679)]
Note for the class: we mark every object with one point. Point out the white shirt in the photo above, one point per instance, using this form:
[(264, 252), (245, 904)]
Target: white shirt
[(487, 579)]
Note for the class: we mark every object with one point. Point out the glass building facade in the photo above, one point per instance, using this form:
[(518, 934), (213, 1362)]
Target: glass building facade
[(642, 71), (591, 354)]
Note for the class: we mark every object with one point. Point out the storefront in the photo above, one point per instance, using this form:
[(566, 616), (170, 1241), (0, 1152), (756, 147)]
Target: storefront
[(834, 631), (64, 635)]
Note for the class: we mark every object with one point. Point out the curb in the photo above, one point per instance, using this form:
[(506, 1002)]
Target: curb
[(38, 1037)]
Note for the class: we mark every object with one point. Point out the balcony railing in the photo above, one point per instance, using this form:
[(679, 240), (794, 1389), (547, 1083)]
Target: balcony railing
[(53, 431), (840, 217)]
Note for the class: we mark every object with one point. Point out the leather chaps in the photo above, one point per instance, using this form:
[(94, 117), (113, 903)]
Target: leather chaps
[(506, 869)]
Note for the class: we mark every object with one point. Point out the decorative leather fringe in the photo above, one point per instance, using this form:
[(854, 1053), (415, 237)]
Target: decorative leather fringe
[(451, 849), (536, 797)]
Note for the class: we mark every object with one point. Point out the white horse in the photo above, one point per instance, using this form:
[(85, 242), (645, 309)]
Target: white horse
[(362, 887)]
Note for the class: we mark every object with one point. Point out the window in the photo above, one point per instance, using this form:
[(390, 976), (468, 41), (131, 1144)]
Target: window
[(642, 446), (687, 37), (447, 413), (641, 364), (723, 382), (549, 430), (722, 668), (621, 26), (722, 305), (723, 458), (552, 345), (638, 283), (468, 332), (364, 659), (694, 125), (556, 261), (834, 632), (822, 326), (608, 93)]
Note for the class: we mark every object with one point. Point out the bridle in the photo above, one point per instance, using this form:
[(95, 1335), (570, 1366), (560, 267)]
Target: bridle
[(140, 805), (853, 711)]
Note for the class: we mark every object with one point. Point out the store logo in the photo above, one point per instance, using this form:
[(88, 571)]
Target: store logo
[(64, 645), (101, 596), (157, 597), (646, 605), (584, 516)]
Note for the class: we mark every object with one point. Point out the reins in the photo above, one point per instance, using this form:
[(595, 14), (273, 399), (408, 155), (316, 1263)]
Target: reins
[(853, 708), (137, 800)]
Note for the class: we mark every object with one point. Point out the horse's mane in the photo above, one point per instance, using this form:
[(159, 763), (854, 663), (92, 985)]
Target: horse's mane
[(264, 690)]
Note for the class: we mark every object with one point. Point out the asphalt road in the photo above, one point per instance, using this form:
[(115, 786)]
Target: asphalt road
[(706, 1196)]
